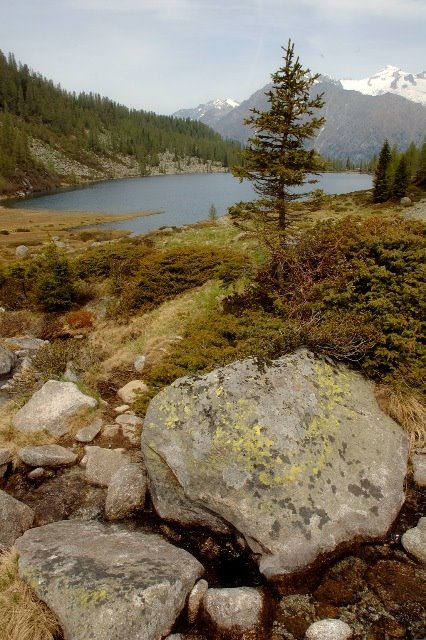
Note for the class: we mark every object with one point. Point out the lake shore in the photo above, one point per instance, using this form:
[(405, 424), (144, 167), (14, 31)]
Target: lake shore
[(35, 228)]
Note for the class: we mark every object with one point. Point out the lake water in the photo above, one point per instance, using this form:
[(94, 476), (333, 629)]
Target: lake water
[(178, 200)]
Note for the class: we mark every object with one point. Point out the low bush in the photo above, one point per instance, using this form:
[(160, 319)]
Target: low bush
[(357, 289), (164, 274)]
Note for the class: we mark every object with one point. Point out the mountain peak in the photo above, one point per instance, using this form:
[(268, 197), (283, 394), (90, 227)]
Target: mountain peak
[(391, 79)]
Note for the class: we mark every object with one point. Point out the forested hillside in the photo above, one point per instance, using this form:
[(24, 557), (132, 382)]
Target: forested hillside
[(48, 135)]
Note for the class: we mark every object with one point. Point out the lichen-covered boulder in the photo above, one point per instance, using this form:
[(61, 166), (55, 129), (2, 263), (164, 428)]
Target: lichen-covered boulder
[(51, 406), (107, 582), (295, 454)]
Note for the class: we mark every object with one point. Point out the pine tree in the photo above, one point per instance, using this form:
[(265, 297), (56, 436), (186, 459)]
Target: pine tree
[(401, 179), (420, 178), (381, 189), (276, 159)]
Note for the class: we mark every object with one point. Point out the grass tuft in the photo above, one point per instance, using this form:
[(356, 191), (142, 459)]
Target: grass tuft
[(23, 616)]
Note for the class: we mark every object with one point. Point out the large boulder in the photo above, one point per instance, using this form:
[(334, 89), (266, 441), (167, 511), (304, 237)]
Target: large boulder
[(295, 454), (51, 407), (107, 582)]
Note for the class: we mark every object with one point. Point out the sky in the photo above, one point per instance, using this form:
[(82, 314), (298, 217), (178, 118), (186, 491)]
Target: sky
[(164, 55)]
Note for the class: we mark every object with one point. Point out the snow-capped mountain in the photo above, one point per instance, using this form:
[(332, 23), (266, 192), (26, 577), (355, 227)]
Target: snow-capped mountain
[(391, 80), (210, 112)]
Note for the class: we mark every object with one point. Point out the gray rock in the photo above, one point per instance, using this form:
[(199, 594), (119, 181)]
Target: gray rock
[(296, 455), (7, 361), (419, 469), (70, 373), (122, 408), (195, 599), (102, 464), (129, 420), (15, 518), (26, 343), (89, 433), (414, 541), (47, 455), (22, 251), (51, 406), (126, 491), (139, 363), (235, 610), (405, 201), (131, 390), (5, 456), (37, 474), (105, 581), (329, 629)]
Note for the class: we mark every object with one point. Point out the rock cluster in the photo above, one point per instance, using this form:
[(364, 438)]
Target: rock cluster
[(291, 460)]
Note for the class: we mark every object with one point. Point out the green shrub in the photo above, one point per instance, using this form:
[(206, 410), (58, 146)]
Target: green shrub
[(164, 274), (111, 259), (356, 290)]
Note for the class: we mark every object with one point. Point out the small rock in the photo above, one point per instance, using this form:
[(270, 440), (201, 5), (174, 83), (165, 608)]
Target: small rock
[(47, 455), (102, 464), (130, 391), (15, 518), (21, 251), (37, 474), (195, 598), (414, 541), (129, 420), (329, 629), (419, 469), (126, 491), (89, 433), (71, 374), (236, 610), (5, 456), (122, 408), (26, 343), (7, 361), (405, 201), (111, 431), (139, 363)]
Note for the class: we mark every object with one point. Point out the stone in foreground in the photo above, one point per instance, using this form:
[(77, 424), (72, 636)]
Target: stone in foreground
[(47, 455), (102, 464), (295, 454), (51, 406), (414, 541), (15, 518), (237, 612), (329, 629), (126, 491), (107, 582)]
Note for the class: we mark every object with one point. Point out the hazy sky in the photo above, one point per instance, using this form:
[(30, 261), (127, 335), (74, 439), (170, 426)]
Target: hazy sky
[(163, 55)]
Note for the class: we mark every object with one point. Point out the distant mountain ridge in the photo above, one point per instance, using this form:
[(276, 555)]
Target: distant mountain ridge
[(210, 112), (359, 114)]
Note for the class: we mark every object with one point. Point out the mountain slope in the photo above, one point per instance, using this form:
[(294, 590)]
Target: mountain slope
[(210, 112), (356, 124), (49, 137)]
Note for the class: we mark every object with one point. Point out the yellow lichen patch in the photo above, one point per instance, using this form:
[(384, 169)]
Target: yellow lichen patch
[(94, 597)]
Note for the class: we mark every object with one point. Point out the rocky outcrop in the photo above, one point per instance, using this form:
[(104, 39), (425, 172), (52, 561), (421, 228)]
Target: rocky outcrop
[(295, 455), (107, 582), (51, 407), (15, 518)]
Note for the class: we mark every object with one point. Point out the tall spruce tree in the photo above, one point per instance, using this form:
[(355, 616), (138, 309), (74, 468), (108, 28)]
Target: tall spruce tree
[(276, 159), (381, 189), (420, 177), (401, 179)]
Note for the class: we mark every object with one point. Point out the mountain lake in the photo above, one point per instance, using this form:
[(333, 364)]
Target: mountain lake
[(174, 200)]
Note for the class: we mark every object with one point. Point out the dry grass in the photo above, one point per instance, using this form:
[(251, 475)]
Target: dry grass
[(23, 616), (407, 410), (151, 334)]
